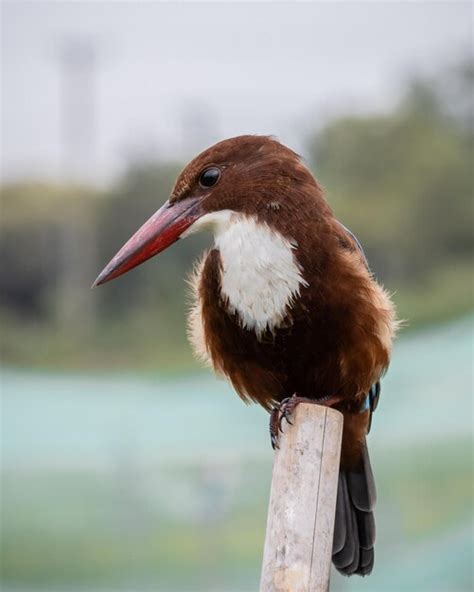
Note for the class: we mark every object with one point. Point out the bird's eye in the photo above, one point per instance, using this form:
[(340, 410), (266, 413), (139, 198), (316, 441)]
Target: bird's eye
[(209, 177)]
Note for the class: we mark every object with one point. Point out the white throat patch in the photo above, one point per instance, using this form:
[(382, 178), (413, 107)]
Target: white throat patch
[(260, 274)]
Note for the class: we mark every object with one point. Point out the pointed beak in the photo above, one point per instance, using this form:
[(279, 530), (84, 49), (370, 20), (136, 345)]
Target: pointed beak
[(159, 232)]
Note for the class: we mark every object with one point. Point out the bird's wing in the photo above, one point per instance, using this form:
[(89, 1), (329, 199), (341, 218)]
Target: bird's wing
[(373, 395), (355, 241)]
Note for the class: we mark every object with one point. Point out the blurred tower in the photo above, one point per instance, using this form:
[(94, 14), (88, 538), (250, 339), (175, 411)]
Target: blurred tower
[(78, 231), (78, 62)]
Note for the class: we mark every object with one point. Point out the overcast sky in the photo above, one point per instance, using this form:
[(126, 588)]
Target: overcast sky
[(171, 78)]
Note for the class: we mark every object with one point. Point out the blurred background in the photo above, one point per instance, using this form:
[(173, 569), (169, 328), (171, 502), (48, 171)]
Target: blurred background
[(124, 464)]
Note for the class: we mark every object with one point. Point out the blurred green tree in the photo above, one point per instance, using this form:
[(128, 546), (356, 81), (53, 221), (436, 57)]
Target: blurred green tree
[(403, 183)]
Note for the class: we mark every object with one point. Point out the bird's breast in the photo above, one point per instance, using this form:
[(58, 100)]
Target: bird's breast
[(260, 276)]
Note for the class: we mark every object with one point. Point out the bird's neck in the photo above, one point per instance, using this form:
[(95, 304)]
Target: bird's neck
[(260, 275)]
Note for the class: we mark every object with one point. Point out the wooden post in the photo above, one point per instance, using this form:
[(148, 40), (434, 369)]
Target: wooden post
[(300, 524)]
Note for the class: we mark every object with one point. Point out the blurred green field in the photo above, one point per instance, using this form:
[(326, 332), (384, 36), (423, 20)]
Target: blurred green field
[(141, 482)]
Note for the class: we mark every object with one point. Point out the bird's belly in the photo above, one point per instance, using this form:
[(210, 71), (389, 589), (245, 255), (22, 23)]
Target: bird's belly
[(253, 361), (269, 367), (262, 367), (313, 353)]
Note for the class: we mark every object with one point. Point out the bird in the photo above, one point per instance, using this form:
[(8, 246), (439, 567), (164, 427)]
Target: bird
[(285, 305)]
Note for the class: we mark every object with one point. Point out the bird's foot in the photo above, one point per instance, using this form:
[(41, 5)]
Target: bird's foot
[(280, 411), (274, 426), (284, 410)]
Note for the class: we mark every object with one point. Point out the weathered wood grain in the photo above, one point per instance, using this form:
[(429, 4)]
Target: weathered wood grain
[(300, 524)]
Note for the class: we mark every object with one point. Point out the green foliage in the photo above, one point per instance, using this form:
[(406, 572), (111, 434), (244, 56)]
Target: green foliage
[(403, 183)]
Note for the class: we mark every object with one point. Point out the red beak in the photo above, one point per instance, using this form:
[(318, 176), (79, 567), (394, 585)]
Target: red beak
[(159, 232)]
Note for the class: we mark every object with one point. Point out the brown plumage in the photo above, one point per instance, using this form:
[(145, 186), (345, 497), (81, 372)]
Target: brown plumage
[(284, 302)]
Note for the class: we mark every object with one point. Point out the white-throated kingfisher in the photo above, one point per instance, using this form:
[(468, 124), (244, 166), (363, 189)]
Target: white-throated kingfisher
[(285, 305)]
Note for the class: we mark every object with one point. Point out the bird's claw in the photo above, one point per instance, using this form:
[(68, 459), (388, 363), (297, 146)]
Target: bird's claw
[(274, 441), (284, 414), (273, 426), (284, 410), (280, 412)]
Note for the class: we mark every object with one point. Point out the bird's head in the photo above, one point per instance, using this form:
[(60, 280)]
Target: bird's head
[(250, 175)]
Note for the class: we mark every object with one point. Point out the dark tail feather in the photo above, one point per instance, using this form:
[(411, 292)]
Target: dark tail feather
[(354, 527)]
